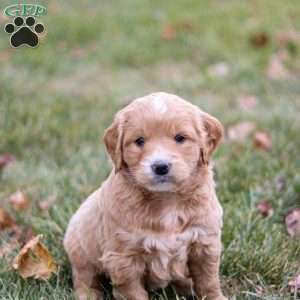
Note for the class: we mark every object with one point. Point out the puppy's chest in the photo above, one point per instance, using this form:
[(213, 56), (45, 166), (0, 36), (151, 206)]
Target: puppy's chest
[(171, 244), (165, 252), (166, 255), (173, 237)]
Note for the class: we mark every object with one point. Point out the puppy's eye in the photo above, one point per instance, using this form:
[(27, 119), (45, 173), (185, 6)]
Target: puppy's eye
[(140, 142), (179, 138)]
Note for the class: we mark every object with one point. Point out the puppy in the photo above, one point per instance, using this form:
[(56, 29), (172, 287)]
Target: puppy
[(156, 219)]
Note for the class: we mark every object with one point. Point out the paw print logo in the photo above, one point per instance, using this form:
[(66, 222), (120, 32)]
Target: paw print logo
[(24, 32)]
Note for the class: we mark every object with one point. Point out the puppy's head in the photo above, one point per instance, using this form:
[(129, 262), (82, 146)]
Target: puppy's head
[(162, 142)]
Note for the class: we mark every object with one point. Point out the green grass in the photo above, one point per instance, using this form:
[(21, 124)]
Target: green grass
[(55, 102)]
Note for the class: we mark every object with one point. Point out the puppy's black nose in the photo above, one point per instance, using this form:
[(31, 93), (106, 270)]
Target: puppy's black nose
[(161, 168)]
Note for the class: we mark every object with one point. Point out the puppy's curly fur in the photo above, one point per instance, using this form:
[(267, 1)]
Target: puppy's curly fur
[(156, 219)]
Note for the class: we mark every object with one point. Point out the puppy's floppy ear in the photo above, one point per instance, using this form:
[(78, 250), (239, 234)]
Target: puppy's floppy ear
[(113, 138), (214, 132)]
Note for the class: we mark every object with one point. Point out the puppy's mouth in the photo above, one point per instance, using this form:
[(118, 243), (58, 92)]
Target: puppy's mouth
[(161, 184), (162, 179)]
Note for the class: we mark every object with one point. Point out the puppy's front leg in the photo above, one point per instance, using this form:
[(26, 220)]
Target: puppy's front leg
[(127, 279), (130, 291), (86, 284), (204, 264)]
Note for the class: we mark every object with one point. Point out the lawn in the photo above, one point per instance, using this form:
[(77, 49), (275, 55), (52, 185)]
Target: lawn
[(56, 100)]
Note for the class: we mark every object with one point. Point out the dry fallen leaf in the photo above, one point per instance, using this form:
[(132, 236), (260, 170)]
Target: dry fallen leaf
[(259, 40), (294, 284), (247, 102), (220, 69), (168, 32), (276, 69), (186, 25), (5, 160), (44, 205), (240, 131), (34, 260), (265, 208), (19, 201), (5, 220), (292, 222), (262, 140)]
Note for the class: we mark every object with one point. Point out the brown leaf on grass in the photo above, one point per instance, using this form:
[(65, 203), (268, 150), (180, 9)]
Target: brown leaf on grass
[(294, 284), (240, 131), (185, 25), (168, 32), (262, 140), (5, 220), (19, 201), (276, 68), (265, 208), (44, 205), (34, 260), (292, 222), (247, 102), (220, 69), (6, 159), (259, 40)]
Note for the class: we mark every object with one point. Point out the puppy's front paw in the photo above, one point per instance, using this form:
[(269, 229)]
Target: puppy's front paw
[(220, 298), (215, 297), (90, 294)]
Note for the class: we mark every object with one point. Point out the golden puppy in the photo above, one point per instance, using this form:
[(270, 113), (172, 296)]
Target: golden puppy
[(156, 219)]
